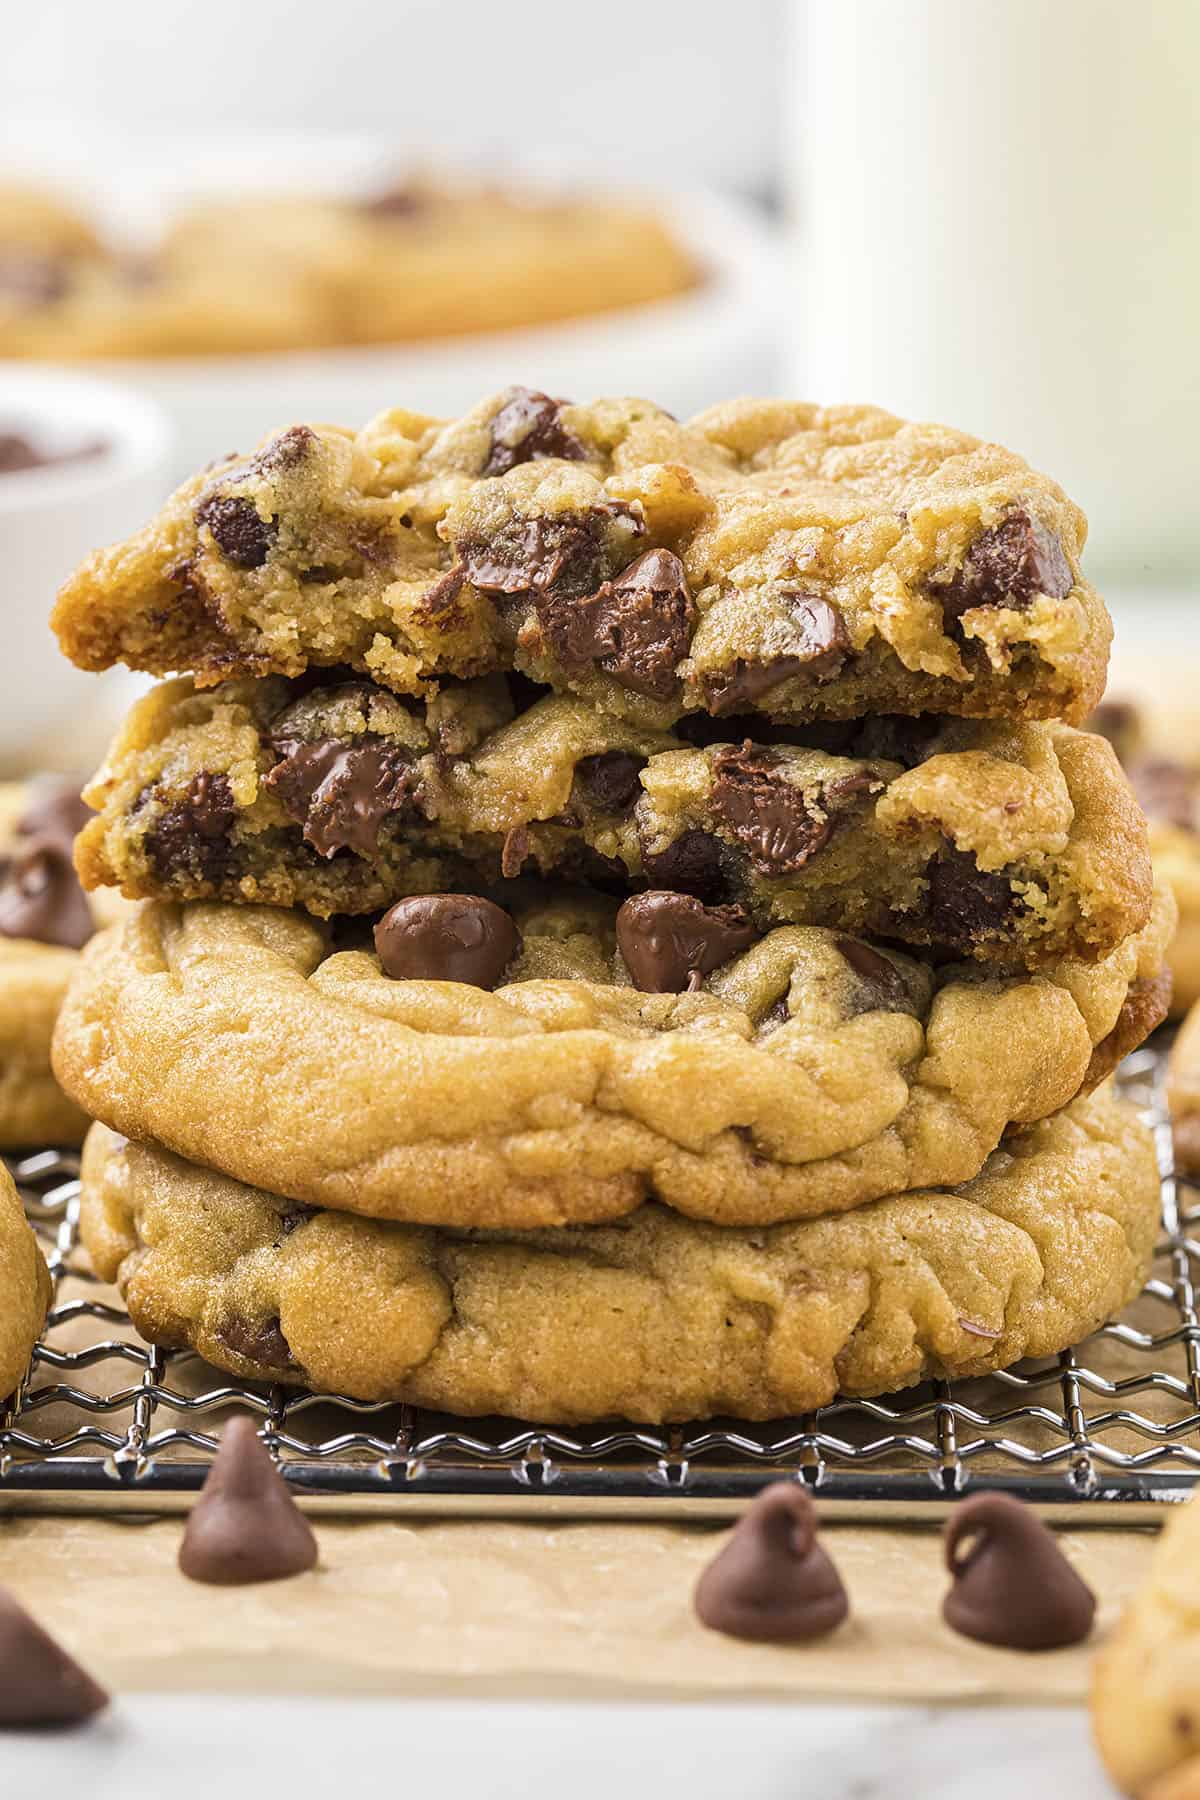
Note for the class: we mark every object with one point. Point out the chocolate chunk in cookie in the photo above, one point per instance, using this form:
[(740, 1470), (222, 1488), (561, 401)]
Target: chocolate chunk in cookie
[(819, 644), (242, 536), (1007, 565), (258, 1340), (341, 793), (610, 782), (285, 452), (672, 941), (882, 981), (40, 896), (194, 834), (636, 627), (447, 937), (778, 824), (694, 863), (528, 428), (965, 902)]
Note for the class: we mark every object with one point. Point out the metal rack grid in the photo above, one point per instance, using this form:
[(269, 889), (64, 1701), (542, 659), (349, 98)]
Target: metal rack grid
[(105, 1422)]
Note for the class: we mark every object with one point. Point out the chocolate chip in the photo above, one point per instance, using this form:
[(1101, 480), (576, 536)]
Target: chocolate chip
[(694, 863), (773, 1582), (1007, 565), (565, 557), (39, 1683), (528, 428), (666, 939), (514, 852), (243, 538), (447, 937), (341, 793), (245, 1527), (882, 978), (1012, 1584), (965, 903), (1167, 791), (192, 836), (258, 1340), (610, 782), (820, 644), (54, 809), (636, 627), (770, 816), (287, 451), (445, 590), (29, 278), (40, 896)]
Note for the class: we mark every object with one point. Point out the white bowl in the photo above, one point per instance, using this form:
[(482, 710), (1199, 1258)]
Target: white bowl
[(718, 340), (52, 715)]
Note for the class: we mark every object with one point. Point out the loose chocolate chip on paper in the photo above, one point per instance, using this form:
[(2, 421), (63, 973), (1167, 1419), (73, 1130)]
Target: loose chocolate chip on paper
[(1007, 565), (245, 1527), (773, 1582), (528, 428), (342, 792), (240, 534), (447, 937), (1012, 1584), (39, 1683), (668, 939)]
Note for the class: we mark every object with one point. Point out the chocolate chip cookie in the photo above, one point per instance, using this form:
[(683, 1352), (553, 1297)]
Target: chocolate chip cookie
[(534, 1059), (764, 558), (1013, 843), (24, 1288), (650, 1318), (45, 919)]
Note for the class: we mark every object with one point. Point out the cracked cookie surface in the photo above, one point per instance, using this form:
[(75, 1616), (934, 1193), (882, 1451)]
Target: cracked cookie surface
[(740, 1081), (653, 1318), (1012, 843), (24, 1287), (789, 560)]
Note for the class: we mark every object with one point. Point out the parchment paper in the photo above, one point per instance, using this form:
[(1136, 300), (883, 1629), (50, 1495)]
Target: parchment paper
[(587, 1610)]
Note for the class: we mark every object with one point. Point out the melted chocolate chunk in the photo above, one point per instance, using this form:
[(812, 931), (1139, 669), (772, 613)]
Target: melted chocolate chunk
[(259, 1341), (769, 815), (243, 538), (563, 557), (1007, 565), (447, 937), (820, 646), (29, 278), (341, 793), (965, 903), (667, 941), (40, 896), (245, 1527), (528, 428), (1168, 791), (773, 1582), (636, 627), (1012, 1584), (693, 864), (192, 837), (882, 979), (610, 782), (39, 1683)]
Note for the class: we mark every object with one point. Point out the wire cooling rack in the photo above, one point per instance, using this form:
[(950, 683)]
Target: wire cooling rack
[(105, 1422)]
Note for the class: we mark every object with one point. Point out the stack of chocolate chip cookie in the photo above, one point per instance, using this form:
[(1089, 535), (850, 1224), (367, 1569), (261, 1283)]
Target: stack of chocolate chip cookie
[(629, 927)]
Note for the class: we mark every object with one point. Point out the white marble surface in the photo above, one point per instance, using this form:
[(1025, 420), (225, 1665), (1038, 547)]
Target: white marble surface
[(469, 1750)]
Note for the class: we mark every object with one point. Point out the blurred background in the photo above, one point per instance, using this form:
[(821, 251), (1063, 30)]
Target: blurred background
[(985, 212)]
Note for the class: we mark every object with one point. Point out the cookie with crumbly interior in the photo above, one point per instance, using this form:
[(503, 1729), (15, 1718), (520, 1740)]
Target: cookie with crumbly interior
[(495, 1064), (788, 560), (1013, 843), (652, 1318), (24, 1287)]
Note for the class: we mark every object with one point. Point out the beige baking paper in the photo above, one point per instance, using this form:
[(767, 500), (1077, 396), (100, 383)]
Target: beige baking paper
[(587, 1610)]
